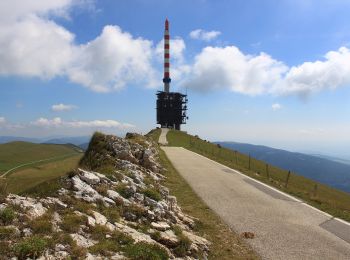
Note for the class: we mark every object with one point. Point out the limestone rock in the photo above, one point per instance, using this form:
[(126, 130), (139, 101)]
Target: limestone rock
[(161, 226), (99, 218), (88, 177), (82, 241)]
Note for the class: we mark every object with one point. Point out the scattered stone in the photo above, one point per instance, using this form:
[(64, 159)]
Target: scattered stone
[(99, 218), (161, 226), (88, 177), (248, 235), (82, 241)]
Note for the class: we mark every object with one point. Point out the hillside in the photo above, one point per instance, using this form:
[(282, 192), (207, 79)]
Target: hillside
[(16, 153), (326, 171), (115, 206)]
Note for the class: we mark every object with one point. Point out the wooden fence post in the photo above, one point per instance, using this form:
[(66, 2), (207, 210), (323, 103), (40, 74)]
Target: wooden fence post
[(315, 190), (287, 180), (249, 162), (267, 171)]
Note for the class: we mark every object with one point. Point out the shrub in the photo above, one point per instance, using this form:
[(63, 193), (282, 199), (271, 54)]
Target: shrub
[(136, 210), (31, 247), (7, 215), (41, 225), (104, 247), (146, 251), (3, 190), (6, 233), (156, 236), (183, 246), (124, 190), (5, 248), (111, 213), (152, 193), (71, 222)]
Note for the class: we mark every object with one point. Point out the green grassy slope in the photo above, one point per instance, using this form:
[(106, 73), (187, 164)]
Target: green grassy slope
[(29, 177), (16, 153), (318, 195)]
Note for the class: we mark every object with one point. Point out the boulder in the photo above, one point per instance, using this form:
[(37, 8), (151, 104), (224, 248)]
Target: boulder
[(99, 218), (82, 241), (88, 177), (161, 226)]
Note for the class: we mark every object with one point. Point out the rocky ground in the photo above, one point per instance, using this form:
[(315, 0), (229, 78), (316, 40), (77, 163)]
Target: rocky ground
[(113, 207)]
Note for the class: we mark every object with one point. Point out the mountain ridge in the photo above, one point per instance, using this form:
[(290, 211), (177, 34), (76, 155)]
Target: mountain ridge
[(327, 171)]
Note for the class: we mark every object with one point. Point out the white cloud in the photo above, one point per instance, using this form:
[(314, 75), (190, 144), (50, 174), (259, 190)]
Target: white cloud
[(33, 45), (311, 77), (58, 122), (228, 68), (62, 107), (200, 34), (2, 120), (276, 107), (112, 60)]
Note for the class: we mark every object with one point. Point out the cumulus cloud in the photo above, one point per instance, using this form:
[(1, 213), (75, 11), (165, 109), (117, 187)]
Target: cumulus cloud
[(200, 34), (276, 107), (58, 122), (62, 107), (310, 77), (33, 45), (228, 68), (112, 60)]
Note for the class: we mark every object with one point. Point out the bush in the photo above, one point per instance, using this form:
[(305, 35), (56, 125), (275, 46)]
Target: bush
[(31, 247), (41, 225), (71, 222), (146, 251), (124, 190), (152, 193), (104, 247), (111, 213), (6, 233), (5, 248), (7, 215), (184, 245)]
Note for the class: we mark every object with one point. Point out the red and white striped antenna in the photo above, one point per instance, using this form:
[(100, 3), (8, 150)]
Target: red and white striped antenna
[(166, 78)]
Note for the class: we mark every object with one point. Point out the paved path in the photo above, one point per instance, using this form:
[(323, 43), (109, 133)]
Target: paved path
[(285, 228), (162, 137)]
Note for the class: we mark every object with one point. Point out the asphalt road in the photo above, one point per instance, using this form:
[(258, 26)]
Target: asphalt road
[(162, 137), (284, 227)]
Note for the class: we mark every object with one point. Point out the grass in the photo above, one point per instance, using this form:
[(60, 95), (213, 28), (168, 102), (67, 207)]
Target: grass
[(145, 251), (71, 222), (15, 153), (7, 215), (152, 193), (330, 200), (31, 247), (24, 179), (225, 243)]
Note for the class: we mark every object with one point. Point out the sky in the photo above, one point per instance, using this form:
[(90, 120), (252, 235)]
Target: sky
[(268, 72)]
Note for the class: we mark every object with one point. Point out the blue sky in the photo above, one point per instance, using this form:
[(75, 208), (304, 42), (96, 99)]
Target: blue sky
[(265, 72)]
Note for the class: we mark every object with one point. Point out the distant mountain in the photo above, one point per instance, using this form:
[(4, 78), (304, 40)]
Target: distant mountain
[(328, 171), (84, 146), (77, 140), (7, 139)]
